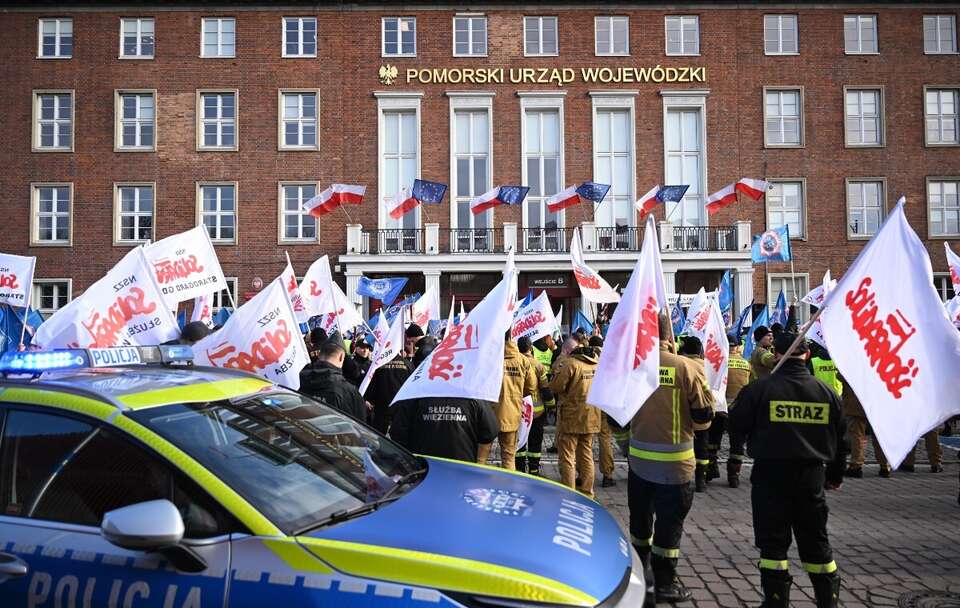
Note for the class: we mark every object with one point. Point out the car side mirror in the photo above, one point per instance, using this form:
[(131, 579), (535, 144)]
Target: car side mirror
[(152, 526)]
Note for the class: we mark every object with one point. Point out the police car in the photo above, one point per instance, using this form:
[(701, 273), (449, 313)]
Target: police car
[(130, 477)]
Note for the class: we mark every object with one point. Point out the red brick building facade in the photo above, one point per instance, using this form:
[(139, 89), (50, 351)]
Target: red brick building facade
[(159, 114)]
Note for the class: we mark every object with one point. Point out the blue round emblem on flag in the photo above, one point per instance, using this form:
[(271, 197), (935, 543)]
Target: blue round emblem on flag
[(770, 243), (501, 502)]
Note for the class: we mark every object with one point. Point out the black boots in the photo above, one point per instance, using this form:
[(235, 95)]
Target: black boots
[(776, 588), (733, 473), (669, 588), (700, 478), (826, 589), (713, 469)]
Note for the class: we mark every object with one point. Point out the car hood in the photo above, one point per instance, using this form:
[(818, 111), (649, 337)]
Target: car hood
[(477, 529)]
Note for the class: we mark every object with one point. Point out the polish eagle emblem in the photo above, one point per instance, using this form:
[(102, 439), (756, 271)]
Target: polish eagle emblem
[(388, 73)]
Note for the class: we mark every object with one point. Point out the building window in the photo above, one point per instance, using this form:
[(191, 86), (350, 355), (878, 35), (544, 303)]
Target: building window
[(296, 224), (399, 36), (399, 161), (134, 213), (683, 35), (299, 36), (539, 36), (217, 112), (944, 286), (52, 205), (136, 120), (471, 177), (136, 38), (543, 172), (941, 116), (860, 34), (50, 295), (685, 164), (219, 37), (53, 120), (298, 120), (218, 211), (944, 207), (56, 39), (794, 287), (785, 207), (225, 297), (613, 164), (612, 35), (780, 35), (864, 117), (783, 115), (865, 207), (939, 34), (469, 36)]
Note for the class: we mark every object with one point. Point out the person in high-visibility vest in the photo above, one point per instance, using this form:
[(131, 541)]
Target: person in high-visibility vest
[(825, 370), (528, 458)]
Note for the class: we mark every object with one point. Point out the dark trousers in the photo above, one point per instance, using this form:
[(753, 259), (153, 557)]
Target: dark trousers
[(528, 459), (700, 450), (715, 439), (788, 498), (657, 512), (381, 419)]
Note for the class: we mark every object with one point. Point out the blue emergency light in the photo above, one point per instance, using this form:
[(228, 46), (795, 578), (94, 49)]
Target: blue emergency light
[(35, 362)]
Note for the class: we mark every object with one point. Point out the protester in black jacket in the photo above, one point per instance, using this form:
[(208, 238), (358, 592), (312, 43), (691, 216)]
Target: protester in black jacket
[(447, 427), (384, 385), (324, 380), (360, 360)]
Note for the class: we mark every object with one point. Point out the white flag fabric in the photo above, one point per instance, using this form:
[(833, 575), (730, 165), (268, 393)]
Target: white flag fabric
[(526, 422), (535, 320), (343, 313), (450, 315), (705, 321), (629, 368), (697, 314), (16, 277), (560, 320), (289, 279), (592, 285), (186, 266), (425, 309), (203, 310), (124, 308), (381, 330), (260, 337), (888, 335), (816, 297), (953, 310), (315, 288), (953, 261), (468, 362), (386, 351)]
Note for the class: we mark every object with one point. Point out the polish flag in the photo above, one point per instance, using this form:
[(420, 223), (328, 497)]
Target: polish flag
[(754, 188), (402, 202), (721, 198), (564, 199), (487, 200), (333, 197), (647, 202), (953, 261)]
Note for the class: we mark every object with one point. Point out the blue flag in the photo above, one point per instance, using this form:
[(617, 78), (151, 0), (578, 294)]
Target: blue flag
[(429, 193), (391, 312), (220, 317), (780, 310), (671, 194), (761, 319), (737, 332), (593, 191), (772, 246), (581, 321), (385, 290), (182, 318), (527, 299), (725, 298), (512, 195), (678, 319)]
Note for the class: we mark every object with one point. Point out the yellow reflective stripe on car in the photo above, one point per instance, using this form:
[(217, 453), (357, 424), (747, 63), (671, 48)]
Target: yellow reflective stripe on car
[(63, 401), (221, 492), (820, 568), (662, 456), (499, 470), (296, 556), (774, 564), (193, 393), (444, 572)]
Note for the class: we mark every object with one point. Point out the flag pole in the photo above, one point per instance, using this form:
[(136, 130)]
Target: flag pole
[(349, 219), (26, 313)]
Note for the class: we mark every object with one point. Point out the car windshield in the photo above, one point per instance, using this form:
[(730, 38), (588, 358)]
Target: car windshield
[(297, 461)]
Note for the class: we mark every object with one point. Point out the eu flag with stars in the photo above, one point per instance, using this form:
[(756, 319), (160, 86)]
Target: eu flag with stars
[(593, 191), (427, 192), (672, 194), (513, 195)]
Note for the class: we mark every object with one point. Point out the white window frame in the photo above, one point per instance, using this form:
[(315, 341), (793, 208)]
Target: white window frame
[(623, 100), (35, 214), (383, 37), (118, 120), (882, 181), (881, 116), (803, 205), (780, 30), (540, 19), (201, 147), (801, 118), (596, 35), (956, 109), (469, 101), (282, 239), (859, 19), (689, 99), (300, 21), (220, 20), (940, 51), (35, 294), (35, 144), (399, 101), (535, 101), (803, 287), (938, 278), (118, 239), (940, 178), (281, 132), (471, 33), (216, 301), (139, 20), (666, 40), (236, 210), (58, 21)]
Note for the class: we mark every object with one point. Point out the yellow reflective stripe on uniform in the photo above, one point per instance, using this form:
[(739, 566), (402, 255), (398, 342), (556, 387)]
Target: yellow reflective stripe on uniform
[(221, 492), (774, 564), (537, 409), (444, 572), (499, 470), (59, 400), (296, 556), (820, 568), (703, 461), (194, 393), (663, 552), (676, 415), (662, 456), (641, 542)]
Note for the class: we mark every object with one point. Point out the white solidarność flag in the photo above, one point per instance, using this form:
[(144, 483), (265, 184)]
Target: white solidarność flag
[(386, 351), (186, 266), (526, 421), (203, 310), (629, 368), (592, 285), (124, 308), (260, 337), (343, 313), (468, 362), (698, 313), (953, 261), (706, 323), (888, 335), (425, 309), (16, 277), (381, 330), (323, 297), (289, 279), (816, 297), (535, 320)]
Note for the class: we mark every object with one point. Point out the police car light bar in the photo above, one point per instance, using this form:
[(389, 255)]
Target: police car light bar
[(36, 362)]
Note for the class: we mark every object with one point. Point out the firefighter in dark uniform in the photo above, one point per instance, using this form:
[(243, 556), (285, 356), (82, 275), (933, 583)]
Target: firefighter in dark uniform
[(692, 348), (794, 426), (662, 465), (738, 376)]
